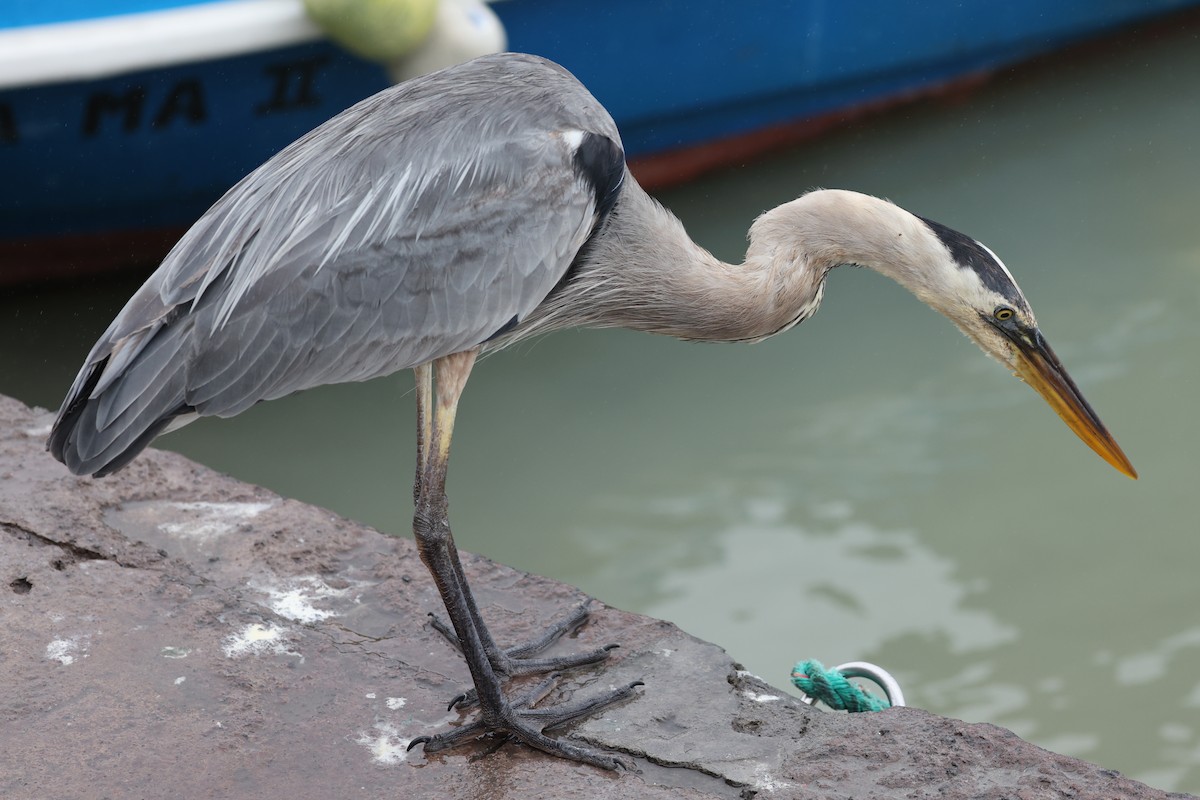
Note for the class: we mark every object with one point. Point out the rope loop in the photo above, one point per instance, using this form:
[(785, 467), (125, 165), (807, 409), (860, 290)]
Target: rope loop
[(833, 688)]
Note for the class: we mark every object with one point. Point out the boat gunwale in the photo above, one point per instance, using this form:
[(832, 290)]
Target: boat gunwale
[(84, 50)]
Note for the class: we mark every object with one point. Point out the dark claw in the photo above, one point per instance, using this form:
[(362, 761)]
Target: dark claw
[(517, 661), (569, 712), (519, 718), (538, 693), (445, 630), (523, 723)]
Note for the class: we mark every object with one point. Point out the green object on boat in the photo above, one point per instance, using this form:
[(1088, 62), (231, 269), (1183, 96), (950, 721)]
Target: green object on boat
[(380, 30)]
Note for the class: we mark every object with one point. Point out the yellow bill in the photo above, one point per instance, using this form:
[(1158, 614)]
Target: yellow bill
[(1038, 366)]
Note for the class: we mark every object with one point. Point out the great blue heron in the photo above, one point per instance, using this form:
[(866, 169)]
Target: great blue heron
[(458, 213)]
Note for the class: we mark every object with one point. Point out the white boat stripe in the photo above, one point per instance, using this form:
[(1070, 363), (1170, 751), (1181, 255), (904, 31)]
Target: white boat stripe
[(99, 48)]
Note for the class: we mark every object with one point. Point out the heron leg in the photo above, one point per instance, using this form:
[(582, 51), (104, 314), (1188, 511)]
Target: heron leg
[(435, 544), (452, 375), (424, 380), (518, 659), (434, 431)]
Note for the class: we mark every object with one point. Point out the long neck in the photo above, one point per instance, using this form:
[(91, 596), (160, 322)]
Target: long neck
[(644, 272)]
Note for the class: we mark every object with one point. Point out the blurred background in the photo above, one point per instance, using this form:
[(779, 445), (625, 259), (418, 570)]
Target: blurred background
[(864, 487)]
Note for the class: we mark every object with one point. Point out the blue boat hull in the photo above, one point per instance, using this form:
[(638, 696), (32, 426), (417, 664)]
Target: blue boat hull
[(91, 166), (155, 149)]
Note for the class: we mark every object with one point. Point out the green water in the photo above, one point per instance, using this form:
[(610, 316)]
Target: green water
[(868, 486)]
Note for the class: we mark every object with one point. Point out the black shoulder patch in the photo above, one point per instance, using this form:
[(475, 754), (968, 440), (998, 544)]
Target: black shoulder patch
[(601, 162), (971, 255)]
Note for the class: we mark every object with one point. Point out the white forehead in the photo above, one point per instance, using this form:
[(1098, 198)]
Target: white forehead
[(949, 279)]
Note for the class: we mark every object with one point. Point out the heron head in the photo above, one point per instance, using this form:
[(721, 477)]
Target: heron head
[(976, 291)]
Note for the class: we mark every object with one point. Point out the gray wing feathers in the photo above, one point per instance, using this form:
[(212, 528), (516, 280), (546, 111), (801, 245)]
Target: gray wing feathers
[(98, 433), (414, 225)]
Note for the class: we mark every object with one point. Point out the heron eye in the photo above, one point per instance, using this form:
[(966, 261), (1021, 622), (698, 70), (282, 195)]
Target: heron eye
[(1003, 313)]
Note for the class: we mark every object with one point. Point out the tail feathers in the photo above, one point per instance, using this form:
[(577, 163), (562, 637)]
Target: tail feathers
[(98, 432)]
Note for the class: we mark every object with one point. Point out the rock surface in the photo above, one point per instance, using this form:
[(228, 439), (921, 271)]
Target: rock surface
[(172, 632)]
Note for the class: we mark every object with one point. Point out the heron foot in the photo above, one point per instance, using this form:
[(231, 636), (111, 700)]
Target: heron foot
[(517, 661), (520, 720)]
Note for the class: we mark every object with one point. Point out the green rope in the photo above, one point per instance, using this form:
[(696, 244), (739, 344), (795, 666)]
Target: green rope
[(833, 689)]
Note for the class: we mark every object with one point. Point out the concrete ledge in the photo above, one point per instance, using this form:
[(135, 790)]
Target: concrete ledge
[(172, 632)]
